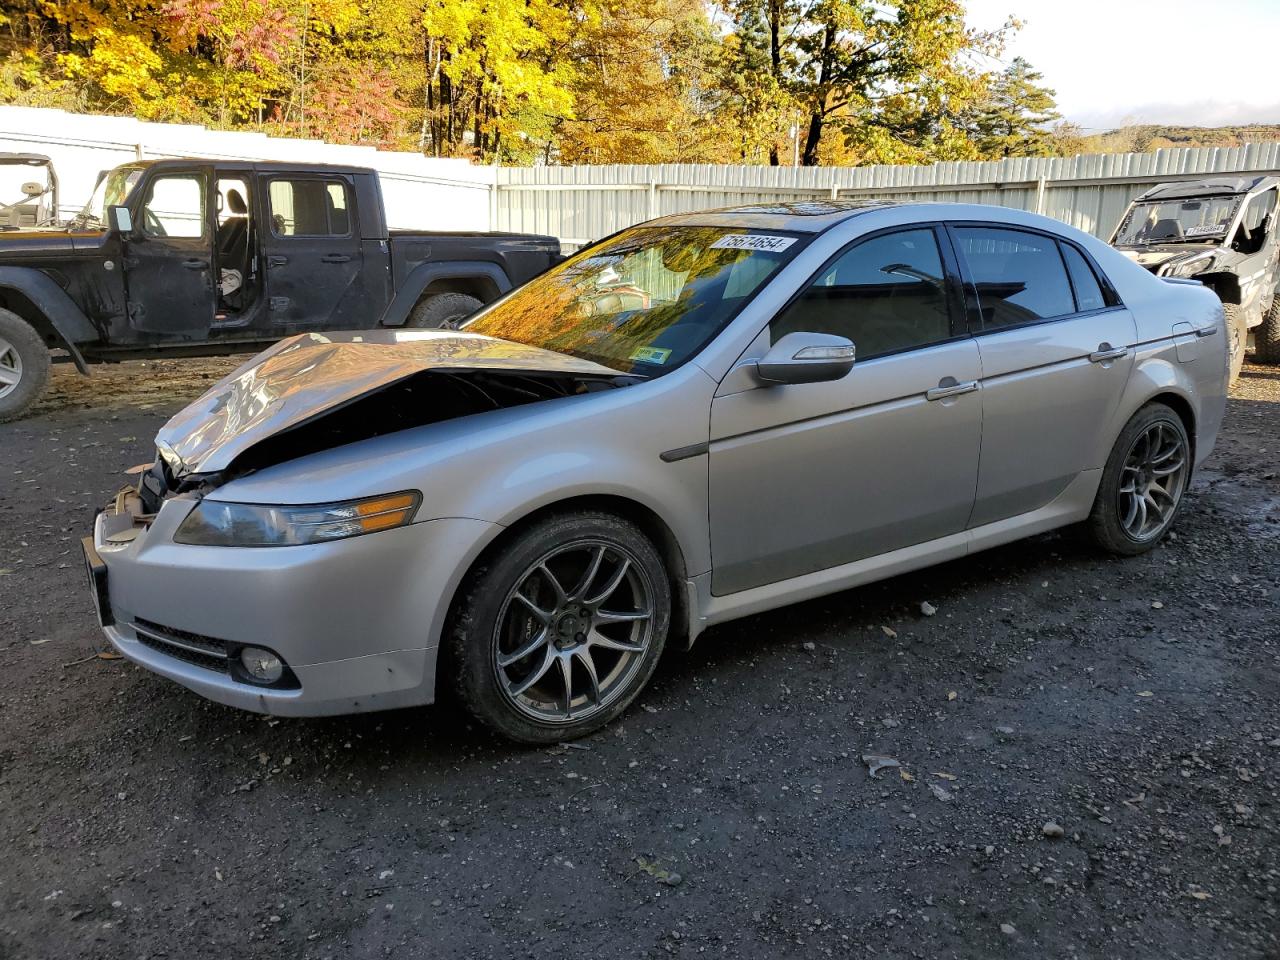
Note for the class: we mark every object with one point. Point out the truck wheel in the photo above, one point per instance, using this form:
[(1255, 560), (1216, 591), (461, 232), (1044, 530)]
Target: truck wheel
[(24, 365), (442, 310), (1266, 337), (1237, 339)]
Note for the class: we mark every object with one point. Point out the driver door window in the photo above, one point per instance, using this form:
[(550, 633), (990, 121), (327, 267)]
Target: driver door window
[(175, 208), (886, 294)]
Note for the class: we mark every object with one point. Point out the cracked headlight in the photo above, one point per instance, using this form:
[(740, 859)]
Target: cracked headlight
[(214, 523)]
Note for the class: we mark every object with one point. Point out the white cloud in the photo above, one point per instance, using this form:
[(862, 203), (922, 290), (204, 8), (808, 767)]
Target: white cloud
[(1200, 113), (1161, 61)]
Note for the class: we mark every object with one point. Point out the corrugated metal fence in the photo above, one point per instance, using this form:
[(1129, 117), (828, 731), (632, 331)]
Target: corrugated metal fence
[(581, 204)]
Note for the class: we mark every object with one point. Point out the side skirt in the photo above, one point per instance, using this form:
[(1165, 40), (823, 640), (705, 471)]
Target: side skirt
[(1070, 506)]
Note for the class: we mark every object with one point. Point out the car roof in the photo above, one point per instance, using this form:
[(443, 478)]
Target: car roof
[(1209, 187), (800, 216), (819, 216)]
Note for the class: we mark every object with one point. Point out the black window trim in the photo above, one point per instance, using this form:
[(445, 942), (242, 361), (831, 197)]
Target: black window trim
[(973, 304), (348, 192), (950, 269)]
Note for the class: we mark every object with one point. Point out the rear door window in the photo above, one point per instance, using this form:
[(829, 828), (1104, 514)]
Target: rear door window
[(309, 208), (1020, 276)]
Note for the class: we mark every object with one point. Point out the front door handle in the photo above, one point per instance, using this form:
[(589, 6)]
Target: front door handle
[(335, 258), (277, 261), (196, 264), (948, 387), (1106, 352)]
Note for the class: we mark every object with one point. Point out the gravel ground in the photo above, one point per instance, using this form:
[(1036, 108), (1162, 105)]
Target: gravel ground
[(1133, 704)]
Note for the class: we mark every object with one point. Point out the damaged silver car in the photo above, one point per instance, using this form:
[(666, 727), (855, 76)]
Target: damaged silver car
[(665, 432)]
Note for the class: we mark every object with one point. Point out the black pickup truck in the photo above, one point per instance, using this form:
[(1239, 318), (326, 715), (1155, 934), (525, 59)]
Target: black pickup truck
[(205, 257)]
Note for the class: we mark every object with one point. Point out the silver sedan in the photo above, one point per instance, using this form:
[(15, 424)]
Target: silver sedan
[(667, 431)]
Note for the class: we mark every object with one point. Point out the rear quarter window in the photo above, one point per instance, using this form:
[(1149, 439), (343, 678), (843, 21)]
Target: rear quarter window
[(1020, 277), (1084, 281)]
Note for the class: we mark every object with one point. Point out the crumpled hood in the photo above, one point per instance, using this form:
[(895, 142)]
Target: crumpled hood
[(308, 375)]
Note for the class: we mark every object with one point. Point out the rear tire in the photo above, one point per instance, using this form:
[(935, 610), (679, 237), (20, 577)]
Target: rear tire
[(1266, 336), (442, 310), (24, 366), (554, 635), (1144, 480), (1237, 340)]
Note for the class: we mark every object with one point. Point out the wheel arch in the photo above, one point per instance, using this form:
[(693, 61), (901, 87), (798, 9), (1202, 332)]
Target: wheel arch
[(1180, 405), (1225, 284), (479, 279), (43, 304), (650, 523)]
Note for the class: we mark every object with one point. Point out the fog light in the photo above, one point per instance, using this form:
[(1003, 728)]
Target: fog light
[(262, 665)]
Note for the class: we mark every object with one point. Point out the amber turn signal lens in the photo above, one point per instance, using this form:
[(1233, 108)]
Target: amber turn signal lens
[(386, 512)]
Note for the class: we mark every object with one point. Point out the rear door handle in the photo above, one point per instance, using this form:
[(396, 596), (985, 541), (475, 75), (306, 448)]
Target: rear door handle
[(944, 390), (1106, 352), (196, 264), (1206, 332), (277, 261), (335, 258)]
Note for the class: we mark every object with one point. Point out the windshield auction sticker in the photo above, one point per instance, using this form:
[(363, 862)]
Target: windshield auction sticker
[(651, 354), (753, 241)]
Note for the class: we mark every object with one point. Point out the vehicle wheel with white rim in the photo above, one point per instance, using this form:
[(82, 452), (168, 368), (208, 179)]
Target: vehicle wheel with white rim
[(1266, 336), (24, 365), (1237, 339), (442, 310), (1143, 482), (557, 633)]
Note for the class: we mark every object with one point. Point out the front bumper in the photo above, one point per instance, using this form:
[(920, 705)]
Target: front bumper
[(358, 621)]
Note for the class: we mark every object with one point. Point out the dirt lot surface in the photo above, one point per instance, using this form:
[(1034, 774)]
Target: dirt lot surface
[(1135, 704)]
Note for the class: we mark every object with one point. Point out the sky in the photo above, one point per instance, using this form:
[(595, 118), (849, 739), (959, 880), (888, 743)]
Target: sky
[(1188, 62)]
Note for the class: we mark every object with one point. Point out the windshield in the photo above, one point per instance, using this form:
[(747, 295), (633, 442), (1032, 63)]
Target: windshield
[(645, 301), (111, 191), (1177, 221)]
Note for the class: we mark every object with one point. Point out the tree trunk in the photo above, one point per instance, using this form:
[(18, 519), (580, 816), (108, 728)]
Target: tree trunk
[(775, 60), (817, 116), (809, 158)]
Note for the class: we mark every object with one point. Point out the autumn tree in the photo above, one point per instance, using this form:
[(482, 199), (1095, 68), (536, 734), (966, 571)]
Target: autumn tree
[(647, 87)]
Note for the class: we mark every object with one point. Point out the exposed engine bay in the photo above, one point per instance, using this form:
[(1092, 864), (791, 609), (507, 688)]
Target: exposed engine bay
[(314, 393)]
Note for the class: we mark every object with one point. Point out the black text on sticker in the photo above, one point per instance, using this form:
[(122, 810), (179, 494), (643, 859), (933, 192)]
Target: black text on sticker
[(748, 241)]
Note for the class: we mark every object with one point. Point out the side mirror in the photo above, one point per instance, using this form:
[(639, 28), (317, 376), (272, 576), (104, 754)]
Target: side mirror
[(32, 188), (806, 358), (121, 221)]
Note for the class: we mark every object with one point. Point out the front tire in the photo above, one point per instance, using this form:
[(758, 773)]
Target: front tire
[(1266, 337), (1237, 339), (24, 366), (1143, 482), (442, 310), (555, 635)]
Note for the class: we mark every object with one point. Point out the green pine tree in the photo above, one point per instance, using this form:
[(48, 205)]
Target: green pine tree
[(1015, 118)]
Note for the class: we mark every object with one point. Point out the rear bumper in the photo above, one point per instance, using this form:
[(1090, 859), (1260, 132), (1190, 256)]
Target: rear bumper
[(357, 621)]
